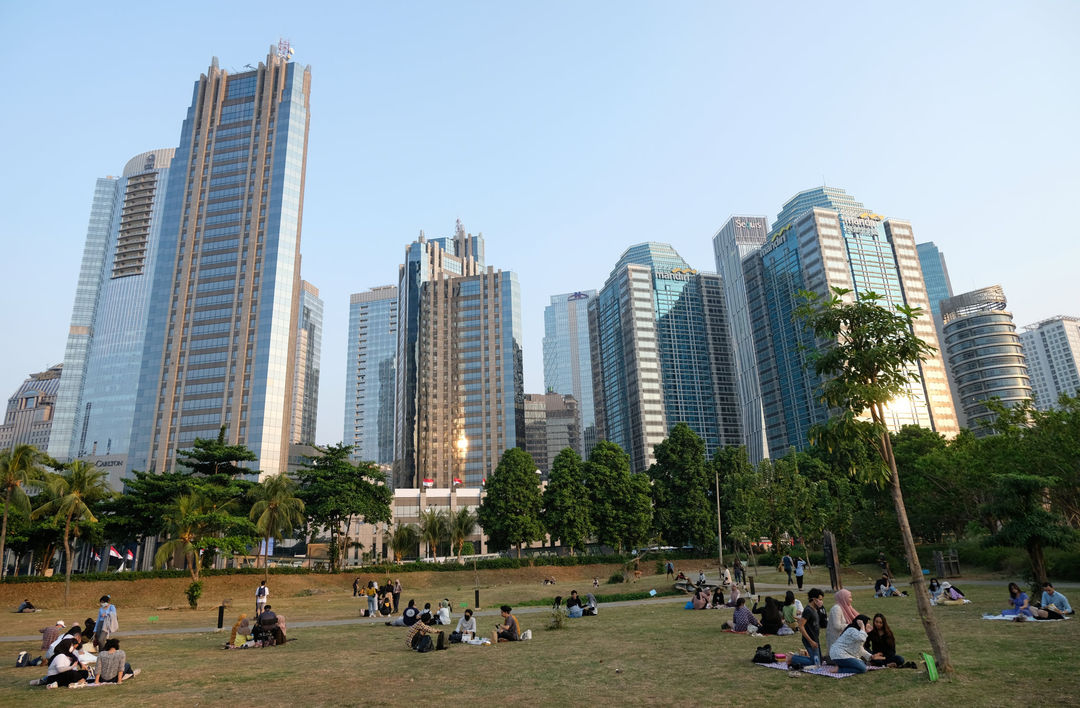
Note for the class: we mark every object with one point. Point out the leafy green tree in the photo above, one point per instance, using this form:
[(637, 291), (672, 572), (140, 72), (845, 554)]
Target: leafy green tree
[(139, 512), (199, 527), (74, 492), (684, 512), (403, 540), (566, 501), (729, 462), (334, 491), (19, 466), (434, 529), (870, 355), (462, 525), (620, 503), (510, 510), (211, 458), (276, 511)]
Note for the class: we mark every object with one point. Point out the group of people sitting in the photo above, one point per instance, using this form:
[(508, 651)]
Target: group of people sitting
[(27, 606), (412, 614), (945, 593), (1052, 605), (423, 636), (884, 587), (269, 630), (576, 607), (71, 661)]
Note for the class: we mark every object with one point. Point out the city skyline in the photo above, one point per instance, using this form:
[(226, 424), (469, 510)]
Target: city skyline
[(595, 134)]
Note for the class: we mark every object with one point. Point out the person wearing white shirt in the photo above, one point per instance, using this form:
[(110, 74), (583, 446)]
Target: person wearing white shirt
[(466, 624), (847, 653)]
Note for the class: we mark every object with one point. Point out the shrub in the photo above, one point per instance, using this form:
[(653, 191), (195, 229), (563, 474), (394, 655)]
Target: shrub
[(558, 618), (194, 592), (616, 578)]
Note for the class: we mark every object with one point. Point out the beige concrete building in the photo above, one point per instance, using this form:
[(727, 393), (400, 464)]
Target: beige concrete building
[(552, 424), (29, 416)]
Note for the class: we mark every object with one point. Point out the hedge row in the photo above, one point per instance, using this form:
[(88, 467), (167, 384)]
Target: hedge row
[(147, 574), (613, 597)]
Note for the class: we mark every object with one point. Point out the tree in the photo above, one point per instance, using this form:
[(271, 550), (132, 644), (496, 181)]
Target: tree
[(210, 458), (198, 527), (462, 525), (566, 502), (402, 540), (684, 512), (276, 511), (620, 503), (19, 466), (867, 356), (75, 492), (139, 512), (728, 462), (334, 491), (434, 529), (510, 510)]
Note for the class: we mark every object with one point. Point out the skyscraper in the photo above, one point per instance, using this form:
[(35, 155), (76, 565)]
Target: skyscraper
[(833, 241), (935, 274), (736, 239), (95, 408), (459, 364), (662, 354), (552, 424), (308, 356), (1052, 349), (568, 359), (370, 374), (225, 306), (29, 416), (986, 359)]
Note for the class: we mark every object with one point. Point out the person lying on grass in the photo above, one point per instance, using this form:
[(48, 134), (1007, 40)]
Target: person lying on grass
[(112, 664), (881, 643)]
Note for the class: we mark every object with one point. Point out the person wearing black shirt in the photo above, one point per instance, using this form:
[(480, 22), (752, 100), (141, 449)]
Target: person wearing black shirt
[(810, 623), (881, 643), (772, 619), (408, 618), (573, 605)]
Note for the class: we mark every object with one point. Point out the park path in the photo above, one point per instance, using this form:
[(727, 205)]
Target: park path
[(493, 612)]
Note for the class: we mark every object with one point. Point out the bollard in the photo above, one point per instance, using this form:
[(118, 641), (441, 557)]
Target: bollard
[(476, 592), (752, 590), (221, 616)]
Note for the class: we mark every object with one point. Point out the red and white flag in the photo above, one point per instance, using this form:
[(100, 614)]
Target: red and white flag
[(457, 481), (130, 556), (429, 482), (96, 556), (114, 553)]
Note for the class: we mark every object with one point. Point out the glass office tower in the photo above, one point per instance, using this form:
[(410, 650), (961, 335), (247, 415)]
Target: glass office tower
[(370, 374), (935, 274), (308, 357), (834, 242), (96, 401), (662, 354), (568, 359), (224, 311)]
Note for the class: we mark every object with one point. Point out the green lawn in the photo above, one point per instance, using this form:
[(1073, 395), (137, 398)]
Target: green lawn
[(654, 653)]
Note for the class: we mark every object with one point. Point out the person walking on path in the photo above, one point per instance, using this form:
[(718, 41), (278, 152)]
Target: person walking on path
[(800, 569), (262, 594), (106, 624), (397, 595), (670, 570), (788, 566)]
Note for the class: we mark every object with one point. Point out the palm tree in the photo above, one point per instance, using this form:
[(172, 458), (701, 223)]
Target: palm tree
[(187, 522), (74, 491), (276, 511), (402, 539), (434, 528), (19, 466), (462, 525)]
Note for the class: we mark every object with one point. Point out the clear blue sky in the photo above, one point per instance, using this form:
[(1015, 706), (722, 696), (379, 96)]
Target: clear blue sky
[(565, 132)]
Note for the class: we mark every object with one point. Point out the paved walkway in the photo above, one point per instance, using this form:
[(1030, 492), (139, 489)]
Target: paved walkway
[(771, 587)]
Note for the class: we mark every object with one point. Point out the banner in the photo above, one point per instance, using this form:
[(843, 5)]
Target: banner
[(429, 482), (115, 553)]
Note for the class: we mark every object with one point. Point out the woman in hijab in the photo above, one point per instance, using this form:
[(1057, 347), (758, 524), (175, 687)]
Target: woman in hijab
[(241, 628), (840, 615), (64, 669)]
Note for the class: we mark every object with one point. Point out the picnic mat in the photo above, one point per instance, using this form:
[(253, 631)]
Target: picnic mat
[(817, 671), (1012, 618)]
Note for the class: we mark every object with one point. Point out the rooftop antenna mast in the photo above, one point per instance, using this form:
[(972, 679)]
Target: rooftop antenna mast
[(284, 49)]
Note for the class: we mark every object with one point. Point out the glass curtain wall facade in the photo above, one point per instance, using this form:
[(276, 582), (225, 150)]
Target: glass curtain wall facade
[(663, 354), (308, 356), (370, 374), (225, 304), (986, 358), (737, 239), (935, 274), (839, 245), (96, 406), (568, 359), (1052, 349)]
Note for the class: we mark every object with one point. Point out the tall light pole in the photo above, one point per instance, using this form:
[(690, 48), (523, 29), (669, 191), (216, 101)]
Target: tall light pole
[(719, 528)]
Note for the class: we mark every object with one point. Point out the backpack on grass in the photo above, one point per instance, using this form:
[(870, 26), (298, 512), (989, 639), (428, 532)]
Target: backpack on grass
[(764, 655)]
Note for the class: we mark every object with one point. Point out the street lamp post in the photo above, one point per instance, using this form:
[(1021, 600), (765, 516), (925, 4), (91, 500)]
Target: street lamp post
[(719, 528)]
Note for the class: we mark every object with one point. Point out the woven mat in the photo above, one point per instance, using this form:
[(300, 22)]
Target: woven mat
[(818, 671)]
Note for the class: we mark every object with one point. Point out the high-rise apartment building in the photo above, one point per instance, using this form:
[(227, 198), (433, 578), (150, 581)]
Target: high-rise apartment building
[(552, 424), (1052, 349), (568, 359), (308, 356), (935, 275), (986, 358), (459, 364), (737, 239), (30, 411), (225, 306), (95, 408), (370, 374), (822, 239), (662, 354)]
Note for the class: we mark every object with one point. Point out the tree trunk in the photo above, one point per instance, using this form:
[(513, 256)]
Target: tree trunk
[(519, 550), (1038, 562), (266, 561), (3, 538), (67, 561), (922, 596)]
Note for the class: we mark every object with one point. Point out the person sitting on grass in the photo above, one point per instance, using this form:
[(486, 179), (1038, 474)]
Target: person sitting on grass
[(467, 623), (717, 598), (810, 623), (772, 619), (678, 578), (701, 599), (883, 587), (509, 630), (841, 614), (881, 644), (416, 632), (743, 618), (75, 634), (408, 618), (426, 615), (591, 606), (733, 598), (847, 653), (65, 668), (26, 606), (935, 590), (1054, 600), (1022, 610), (574, 607), (241, 629), (442, 616), (51, 634), (112, 666), (792, 610)]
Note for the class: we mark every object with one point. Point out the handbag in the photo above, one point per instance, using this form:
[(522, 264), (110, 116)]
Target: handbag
[(764, 655)]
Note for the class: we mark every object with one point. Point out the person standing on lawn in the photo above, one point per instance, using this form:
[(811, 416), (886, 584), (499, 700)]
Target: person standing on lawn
[(788, 565), (397, 595), (670, 568), (800, 569), (262, 594), (810, 622), (106, 624)]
